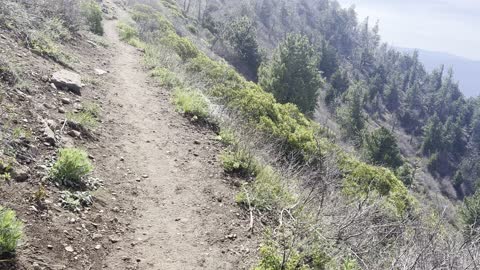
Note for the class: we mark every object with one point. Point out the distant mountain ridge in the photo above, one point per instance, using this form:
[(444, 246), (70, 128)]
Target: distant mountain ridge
[(466, 71)]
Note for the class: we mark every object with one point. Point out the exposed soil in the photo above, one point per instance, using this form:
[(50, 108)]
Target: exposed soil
[(185, 216), (165, 202)]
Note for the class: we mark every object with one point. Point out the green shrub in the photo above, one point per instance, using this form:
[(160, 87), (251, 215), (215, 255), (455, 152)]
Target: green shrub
[(71, 167), (84, 119), (8, 74), (11, 231), (92, 12), (42, 44), (366, 181), (191, 103), (165, 77), (87, 118), (183, 46), (266, 192), (227, 137), (239, 162), (129, 34)]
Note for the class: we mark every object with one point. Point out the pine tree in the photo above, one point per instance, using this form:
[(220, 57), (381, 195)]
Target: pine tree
[(381, 148), (292, 74), (432, 141)]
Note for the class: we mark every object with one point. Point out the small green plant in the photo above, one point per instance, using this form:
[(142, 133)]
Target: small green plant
[(76, 201), (227, 137), (20, 132), (71, 168), (87, 117), (129, 34), (7, 73), (11, 231), (165, 77), (239, 162), (92, 12), (266, 192), (191, 103)]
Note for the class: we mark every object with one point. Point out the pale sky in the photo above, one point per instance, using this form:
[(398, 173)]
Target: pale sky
[(451, 26)]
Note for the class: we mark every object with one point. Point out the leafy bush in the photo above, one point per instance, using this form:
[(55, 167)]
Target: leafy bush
[(239, 162), (7, 73), (71, 167), (92, 12), (227, 137), (165, 77), (367, 181), (267, 192), (183, 46), (75, 201), (191, 103), (11, 231), (129, 34)]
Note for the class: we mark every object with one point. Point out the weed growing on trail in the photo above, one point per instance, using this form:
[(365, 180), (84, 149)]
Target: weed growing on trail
[(71, 168), (11, 231), (129, 34), (191, 103)]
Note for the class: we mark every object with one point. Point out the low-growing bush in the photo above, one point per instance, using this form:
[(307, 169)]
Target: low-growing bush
[(266, 192), (92, 12), (11, 231), (191, 102), (71, 167), (183, 46), (239, 162), (129, 34), (87, 118), (165, 77), (8, 73), (227, 137)]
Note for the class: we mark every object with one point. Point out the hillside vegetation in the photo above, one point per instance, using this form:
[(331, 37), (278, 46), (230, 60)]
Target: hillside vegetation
[(319, 206)]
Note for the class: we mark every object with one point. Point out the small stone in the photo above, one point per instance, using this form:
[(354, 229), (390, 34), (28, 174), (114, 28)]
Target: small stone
[(231, 236), (196, 142), (69, 249), (75, 134), (97, 236), (145, 176), (100, 72), (49, 246), (66, 101), (36, 266), (114, 239), (61, 110), (97, 247), (122, 159)]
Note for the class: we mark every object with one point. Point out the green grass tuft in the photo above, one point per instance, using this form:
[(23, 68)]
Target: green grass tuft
[(191, 102), (11, 231), (71, 168)]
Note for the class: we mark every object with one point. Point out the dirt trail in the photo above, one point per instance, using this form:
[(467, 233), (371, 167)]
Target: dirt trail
[(171, 192)]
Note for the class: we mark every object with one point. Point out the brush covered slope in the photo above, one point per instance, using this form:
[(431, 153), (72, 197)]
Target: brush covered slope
[(318, 205)]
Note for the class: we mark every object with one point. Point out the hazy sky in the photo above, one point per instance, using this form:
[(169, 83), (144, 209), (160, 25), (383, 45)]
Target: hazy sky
[(451, 26)]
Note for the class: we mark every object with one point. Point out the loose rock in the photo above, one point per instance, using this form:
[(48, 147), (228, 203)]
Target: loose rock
[(67, 79)]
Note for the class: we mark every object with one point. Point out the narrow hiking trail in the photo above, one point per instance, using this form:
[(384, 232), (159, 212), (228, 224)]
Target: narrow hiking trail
[(166, 181)]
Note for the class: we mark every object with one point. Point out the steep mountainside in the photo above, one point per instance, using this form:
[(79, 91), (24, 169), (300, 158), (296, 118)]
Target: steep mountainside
[(465, 70)]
